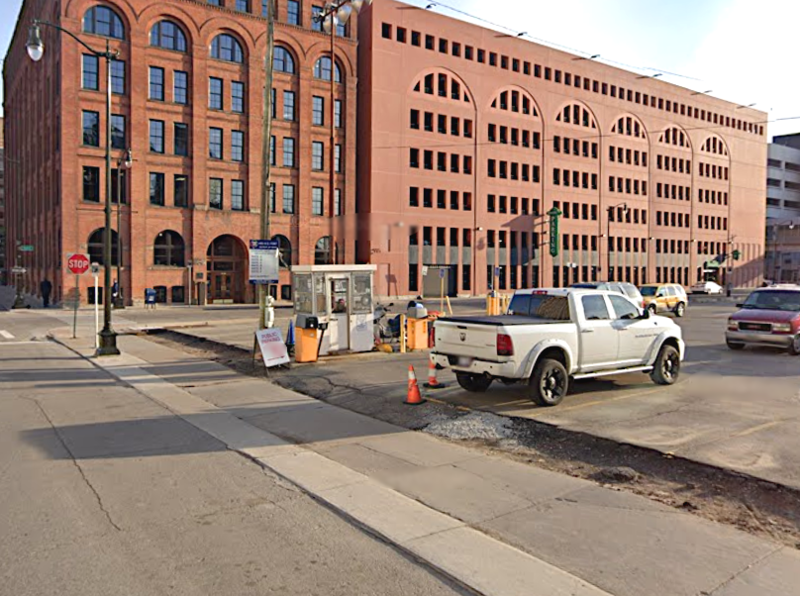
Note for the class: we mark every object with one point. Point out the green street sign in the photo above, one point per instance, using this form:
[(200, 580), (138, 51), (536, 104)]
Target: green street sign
[(554, 214), (26, 248), (736, 255)]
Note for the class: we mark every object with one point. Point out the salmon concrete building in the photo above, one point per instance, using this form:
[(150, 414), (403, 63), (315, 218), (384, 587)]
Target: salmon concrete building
[(187, 100), (469, 137)]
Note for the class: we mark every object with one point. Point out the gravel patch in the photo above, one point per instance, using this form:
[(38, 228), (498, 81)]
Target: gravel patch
[(475, 425)]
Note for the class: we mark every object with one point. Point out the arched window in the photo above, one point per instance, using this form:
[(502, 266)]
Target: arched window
[(101, 20), (285, 248), (514, 100), (169, 249), (283, 61), (714, 145), (674, 136), (227, 47), (322, 70), (629, 126), (96, 246), (322, 251), (168, 35), (577, 115)]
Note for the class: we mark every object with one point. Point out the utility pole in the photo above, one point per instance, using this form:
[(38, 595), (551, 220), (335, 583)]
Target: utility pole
[(263, 289)]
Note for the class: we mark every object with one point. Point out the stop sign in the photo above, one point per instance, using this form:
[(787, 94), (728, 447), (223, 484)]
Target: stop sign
[(77, 263)]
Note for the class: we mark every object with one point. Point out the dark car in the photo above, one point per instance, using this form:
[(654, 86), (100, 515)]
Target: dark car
[(769, 317)]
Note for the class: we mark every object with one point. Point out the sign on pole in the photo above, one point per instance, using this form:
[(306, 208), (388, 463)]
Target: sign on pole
[(424, 270), (26, 248), (78, 263), (554, 214), (273, 350), (264, 262)]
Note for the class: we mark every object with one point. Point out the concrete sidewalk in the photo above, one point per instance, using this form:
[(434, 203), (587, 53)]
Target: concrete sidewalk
[(495, 525)]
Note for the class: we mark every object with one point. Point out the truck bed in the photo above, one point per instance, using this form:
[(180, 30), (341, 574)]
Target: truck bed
[(506, 320)]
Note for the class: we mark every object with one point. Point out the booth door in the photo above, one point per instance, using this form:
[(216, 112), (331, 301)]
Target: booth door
[(339, 327)]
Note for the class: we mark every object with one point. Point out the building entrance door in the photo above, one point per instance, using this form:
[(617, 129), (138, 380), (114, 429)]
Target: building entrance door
[(221, 287), (226, 263)]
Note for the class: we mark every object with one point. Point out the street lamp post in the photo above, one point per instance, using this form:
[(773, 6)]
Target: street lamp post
[(125, 162), (608, 235), (335, 13), (107, 345)]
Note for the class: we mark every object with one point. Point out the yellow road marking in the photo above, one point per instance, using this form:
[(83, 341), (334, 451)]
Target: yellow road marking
[(758, 428), (594, 403)]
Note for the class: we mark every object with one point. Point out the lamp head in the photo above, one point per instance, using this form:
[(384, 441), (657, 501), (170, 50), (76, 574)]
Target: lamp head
[(35, 46), (329, 23), (344, 12), (128, 159), (359, 4)]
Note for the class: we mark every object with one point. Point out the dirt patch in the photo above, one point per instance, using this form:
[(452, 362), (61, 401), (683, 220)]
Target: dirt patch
[(752, 505)]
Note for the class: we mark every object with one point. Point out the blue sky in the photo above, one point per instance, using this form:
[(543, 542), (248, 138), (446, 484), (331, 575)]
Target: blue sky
[(740, 49)]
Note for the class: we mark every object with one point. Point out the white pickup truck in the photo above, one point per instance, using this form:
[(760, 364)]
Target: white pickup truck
[(550, 336)]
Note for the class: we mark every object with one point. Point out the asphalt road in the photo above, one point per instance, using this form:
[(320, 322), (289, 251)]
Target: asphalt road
[(736, 410), (105, 492)]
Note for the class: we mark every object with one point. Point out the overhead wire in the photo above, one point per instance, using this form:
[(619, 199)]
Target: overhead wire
[(525, 34), (470, 143)]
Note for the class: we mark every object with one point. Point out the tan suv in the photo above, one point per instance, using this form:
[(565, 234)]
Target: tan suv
[(661, 298)]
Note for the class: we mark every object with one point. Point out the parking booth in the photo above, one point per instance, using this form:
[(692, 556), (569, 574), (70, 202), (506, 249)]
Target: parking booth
[(334, 309)]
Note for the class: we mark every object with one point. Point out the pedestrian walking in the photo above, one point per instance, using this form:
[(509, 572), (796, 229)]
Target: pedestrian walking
[(45, 288)]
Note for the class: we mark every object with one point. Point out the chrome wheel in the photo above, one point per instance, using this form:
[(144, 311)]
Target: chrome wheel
[(549, 383), (670, 366), (667, 366), (553, 384)]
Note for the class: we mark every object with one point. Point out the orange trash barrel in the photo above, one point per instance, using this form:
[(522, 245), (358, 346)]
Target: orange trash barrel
[(306, 345)]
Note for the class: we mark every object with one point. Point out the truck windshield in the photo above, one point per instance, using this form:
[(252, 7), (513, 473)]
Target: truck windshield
[(773, 300), (540, 306)]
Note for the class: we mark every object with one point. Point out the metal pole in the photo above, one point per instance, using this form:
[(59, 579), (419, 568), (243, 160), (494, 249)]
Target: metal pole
[(120, 301), (108, 339), (96, 314), (608, 244), (332, 199), (265, 156), (77, 299)]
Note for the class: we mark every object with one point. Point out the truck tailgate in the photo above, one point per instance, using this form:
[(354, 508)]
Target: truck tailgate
[(476, 339)]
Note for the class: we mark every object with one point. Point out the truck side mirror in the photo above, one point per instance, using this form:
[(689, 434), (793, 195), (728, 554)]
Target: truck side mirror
[(645, 314)]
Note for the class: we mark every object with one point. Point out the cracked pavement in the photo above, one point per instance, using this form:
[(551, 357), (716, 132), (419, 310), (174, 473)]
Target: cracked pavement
[(105, 492)]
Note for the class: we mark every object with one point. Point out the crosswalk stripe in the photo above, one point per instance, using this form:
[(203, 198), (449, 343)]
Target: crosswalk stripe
[(6, 334)]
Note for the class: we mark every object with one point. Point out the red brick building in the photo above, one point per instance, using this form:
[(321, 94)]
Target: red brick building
[(187, 100), (468, 137), (4, 274)]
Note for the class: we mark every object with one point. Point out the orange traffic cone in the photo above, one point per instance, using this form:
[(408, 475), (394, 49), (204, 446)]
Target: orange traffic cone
[(413, 398), (433, 382)]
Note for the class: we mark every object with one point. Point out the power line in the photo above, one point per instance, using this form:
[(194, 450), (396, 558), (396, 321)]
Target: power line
[(598, 136), (525, 34)]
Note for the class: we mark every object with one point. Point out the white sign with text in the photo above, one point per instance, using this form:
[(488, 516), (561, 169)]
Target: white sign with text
[(273, 349)]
